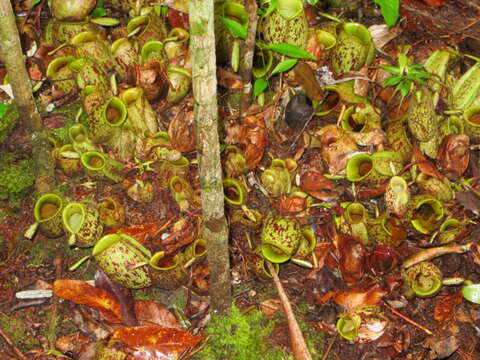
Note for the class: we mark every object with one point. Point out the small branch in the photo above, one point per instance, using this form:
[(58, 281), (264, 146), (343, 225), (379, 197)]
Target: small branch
[(299, 347), (410, 321), (325, 357), (12, 345), (247, 53)]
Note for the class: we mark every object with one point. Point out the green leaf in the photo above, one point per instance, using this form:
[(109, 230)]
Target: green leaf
[(390, 10), (259, 86), (404, 89), (472, 293), (271, 8), (235, 28), (391, 69), (284, 66), (392, 80), (35, 2), (293, 51), (3, 110), (99, 12)]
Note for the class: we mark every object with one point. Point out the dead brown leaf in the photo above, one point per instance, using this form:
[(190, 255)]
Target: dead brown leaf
[(153, 342), (153, 80), (80, 292), (424, 165), (359, 296), (446, 306), (351, 255), (150, 312), (318, 186), (182, 131), (454, 155)]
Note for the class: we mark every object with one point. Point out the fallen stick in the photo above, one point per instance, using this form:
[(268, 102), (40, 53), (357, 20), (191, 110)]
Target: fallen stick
[(299, 347)]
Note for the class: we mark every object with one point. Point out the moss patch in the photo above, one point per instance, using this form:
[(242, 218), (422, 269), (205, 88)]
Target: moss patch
[(239, 337), (17, 330), (16, 176), (44, 251)]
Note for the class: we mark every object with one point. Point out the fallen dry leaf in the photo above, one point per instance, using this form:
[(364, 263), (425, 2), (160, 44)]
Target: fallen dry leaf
[(291, 205), (454, 155), (153, 342), (359, 296), (182, 131), (351, 258), (424, 165), (151, 77), (140, 232), (80, 292), (72, 342), (150, 312), (445, 308), (318, 186)]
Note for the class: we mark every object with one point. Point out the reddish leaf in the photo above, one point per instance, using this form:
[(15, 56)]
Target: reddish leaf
[(177, 18), (80, 292), (445, 308), (291, 205), (337, 146), (254, 137), (382, 259), (251, 134), (434, 2), (140, 232), (351, 258), (359, 296), (454, 155), (150, 312), (229, 80), (153, 342), (425, 166), (182, 131), (318, 186), (152, 78), (122, 294)]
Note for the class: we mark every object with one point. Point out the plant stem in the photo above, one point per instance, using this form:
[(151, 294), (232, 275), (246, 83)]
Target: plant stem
[(214, 225), (247, 53)]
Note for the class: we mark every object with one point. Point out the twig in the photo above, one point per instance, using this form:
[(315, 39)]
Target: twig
[(299, 347), (410, 321), (12, 345), (330, 347)]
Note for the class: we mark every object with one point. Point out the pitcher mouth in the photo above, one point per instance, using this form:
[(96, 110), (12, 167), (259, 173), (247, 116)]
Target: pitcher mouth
[(47, 207), (274, 254), (73, 217)]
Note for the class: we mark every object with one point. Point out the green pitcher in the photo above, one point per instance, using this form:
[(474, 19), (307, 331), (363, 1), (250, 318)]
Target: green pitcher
[(48, 214), (124, 260), (82, 221)]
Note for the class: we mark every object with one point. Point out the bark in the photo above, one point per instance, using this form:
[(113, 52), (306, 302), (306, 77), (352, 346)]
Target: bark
[(215, 228), (30, 118)]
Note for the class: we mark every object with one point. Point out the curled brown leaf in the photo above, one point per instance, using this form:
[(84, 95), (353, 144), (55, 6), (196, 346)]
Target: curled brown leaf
[(454, 155)]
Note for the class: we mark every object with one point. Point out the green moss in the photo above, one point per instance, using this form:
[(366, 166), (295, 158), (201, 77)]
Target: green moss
[(16, 176), (8, 120), (44, 251), (239, 337), (16, 329)]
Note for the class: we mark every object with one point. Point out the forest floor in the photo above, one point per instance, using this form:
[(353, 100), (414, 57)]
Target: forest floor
[(345, 274)]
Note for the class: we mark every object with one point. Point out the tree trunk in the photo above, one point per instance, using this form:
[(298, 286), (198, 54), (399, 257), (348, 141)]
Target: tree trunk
[(29, 117), (215, 228)]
